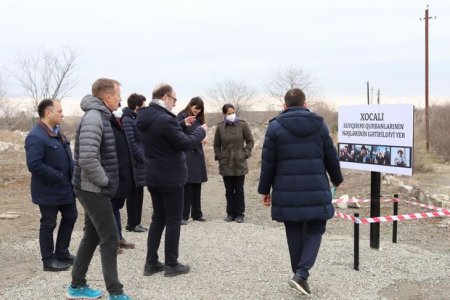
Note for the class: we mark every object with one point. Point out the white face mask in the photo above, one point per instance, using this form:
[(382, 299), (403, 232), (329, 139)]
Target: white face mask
[(231, 117), (118, 113)]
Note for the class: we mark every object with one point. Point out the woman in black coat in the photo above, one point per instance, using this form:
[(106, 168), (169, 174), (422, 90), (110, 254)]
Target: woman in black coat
[(135, 198), (195, 161)]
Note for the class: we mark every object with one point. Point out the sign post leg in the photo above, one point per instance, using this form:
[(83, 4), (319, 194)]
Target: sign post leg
[(375, 190)]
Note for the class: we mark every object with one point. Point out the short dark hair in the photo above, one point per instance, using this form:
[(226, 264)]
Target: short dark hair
[(294, 97), (102, 86), (226, 107), (135, 100), (198, 103), (400, 151), (43, 105), (161, 90), (363, 147)]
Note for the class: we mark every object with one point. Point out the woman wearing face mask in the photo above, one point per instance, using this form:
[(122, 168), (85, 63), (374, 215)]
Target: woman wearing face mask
[(195, 161), (233, 144)]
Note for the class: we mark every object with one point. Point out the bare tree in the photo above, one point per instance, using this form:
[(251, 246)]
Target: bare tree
[(237, 93), (8, 108), (48, 74), (284, 79)]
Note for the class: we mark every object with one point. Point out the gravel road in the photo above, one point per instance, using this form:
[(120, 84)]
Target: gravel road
[(251, 261)]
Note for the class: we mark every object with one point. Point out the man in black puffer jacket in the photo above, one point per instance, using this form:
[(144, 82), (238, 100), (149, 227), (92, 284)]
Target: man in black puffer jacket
[(297, 154)]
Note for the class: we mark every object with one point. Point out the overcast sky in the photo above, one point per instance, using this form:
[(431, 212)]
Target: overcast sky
[(195, 44)]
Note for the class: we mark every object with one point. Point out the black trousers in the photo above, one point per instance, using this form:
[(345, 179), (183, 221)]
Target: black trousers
[(192, 204), (99, 230), (234, 192), (135, 201), (117, 204), (167, 208), (49, 215), (304, 240)]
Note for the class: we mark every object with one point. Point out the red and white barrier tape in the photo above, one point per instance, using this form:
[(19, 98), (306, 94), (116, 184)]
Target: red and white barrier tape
[(415, 216), (404, 217), (361, 200), (424, 205), (344, 216)]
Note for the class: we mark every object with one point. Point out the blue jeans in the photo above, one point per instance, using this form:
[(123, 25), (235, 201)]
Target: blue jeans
[(99, 229), (304, 240), (49, 214)]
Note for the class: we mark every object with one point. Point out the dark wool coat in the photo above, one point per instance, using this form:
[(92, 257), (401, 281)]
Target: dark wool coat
[(297, 154), (49, 159), (135, 145), (96, 166), (195, 158), (164, 144), (233, 144)]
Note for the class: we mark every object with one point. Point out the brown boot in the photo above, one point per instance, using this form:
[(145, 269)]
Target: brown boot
[(124, 244)]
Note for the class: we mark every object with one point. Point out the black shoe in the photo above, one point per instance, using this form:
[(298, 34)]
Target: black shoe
[(229, 218), (201, 219), (152, 269), (184, 222), (56, 266), (239, 219), (300, 285), (142, 227), (137, 228), (179, 269), (67, 259)]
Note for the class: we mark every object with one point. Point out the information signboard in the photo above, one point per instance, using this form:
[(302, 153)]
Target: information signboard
[(376, 138)]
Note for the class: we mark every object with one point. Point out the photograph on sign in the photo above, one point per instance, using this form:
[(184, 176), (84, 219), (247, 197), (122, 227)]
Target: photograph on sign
[(375, 154)]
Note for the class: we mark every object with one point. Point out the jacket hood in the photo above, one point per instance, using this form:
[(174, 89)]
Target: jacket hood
[(128, 113), (300, 121), (90, 102)]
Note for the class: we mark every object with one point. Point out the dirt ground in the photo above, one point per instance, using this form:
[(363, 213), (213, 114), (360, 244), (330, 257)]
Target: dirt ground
[(430, 234)]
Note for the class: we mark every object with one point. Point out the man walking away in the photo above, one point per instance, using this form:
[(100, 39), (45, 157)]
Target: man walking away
[(297, 155)]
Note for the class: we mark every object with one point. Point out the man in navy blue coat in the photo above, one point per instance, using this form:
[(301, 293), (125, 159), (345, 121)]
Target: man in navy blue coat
[(49, 159), (297, 155)]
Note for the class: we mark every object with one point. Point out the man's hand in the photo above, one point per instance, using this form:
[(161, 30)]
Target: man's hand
[(266, 200), (189, 120)]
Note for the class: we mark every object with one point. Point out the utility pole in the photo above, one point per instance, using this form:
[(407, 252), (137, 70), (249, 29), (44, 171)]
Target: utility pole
[(427, 120), (378, 96), (368, 97)]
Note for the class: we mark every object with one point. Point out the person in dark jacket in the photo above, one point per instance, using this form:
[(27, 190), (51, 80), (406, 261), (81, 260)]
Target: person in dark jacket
[(233, 144), (95, 181), (166, 174), (135, 199), (297, 154), (126, 182), (195, 161), (49, 159)]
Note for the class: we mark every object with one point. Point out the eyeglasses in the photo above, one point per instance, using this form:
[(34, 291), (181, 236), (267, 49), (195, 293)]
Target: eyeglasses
[(173, 98)]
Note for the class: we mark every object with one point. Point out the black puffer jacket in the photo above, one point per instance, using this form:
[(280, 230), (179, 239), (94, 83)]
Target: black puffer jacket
[(297, 155), (135, 145)]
